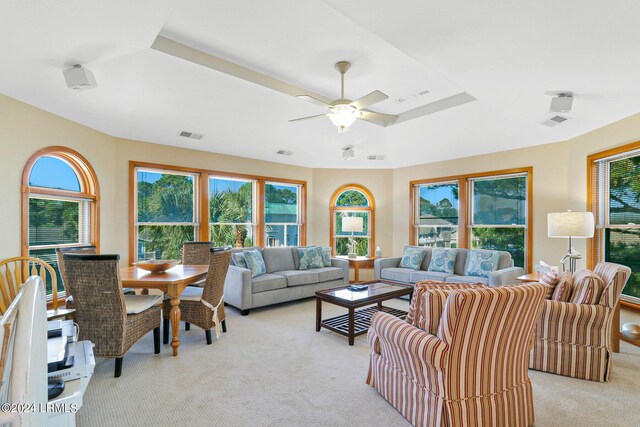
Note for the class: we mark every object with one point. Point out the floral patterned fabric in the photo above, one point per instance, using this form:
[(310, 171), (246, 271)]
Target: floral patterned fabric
[(482, 263), (255, 262), (326, 256), (310, 258), (412, 257), (238, 259), (442, 260)]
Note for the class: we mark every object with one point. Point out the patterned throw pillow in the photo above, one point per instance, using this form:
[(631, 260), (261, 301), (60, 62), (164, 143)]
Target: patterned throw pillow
[(238, 259), (564, 287), (587, 287), (310, 258), (482, 263), (412, 257), (443, 260), (255, 262), (326, 256), (550, 280)]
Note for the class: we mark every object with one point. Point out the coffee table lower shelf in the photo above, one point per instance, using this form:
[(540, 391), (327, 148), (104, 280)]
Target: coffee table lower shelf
[(361, 321)]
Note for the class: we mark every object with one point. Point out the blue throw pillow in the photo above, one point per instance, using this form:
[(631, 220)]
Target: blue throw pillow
[(482, 263), (310, 258), (255, 262), (326, 256), (443, 260), (412, 257), (238, 259)]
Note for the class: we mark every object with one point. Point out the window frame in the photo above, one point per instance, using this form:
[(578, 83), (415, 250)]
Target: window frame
[(415, 220), (593, 162), (202, 196), (89, 193), (254, 189), (370, 209), (465, 206), (300, 222)]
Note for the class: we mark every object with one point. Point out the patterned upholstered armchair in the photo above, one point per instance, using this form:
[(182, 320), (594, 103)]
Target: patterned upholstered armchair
[(461, 356), (575, 339)]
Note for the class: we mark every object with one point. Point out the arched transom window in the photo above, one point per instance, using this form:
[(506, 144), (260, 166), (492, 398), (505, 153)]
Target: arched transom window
[(352, 215), (60, 197)]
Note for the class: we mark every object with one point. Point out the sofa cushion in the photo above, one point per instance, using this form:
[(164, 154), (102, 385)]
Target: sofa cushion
[(505, 260), (467, 279), (255, 262), (300, 277), (443, 260), (238, 259), (417, 276), (296, 256), (412, 257), (481, 263), (564, 287), (310, 258), (268, 282), (326, 256), (327, 274), (587, 287), (397, 274), (278, 259), (550, 280)]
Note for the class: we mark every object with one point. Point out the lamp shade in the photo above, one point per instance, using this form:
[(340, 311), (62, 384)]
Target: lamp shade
[(570, 224), (343, 115), (352, 224)]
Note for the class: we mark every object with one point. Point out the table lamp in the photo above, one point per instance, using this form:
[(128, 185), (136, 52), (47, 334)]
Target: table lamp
[(570, 224), (352, 224)]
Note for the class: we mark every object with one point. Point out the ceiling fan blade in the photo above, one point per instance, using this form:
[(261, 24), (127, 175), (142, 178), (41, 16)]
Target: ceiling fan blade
[(371, 116), (313, 100), (307, 118), (370, 99)]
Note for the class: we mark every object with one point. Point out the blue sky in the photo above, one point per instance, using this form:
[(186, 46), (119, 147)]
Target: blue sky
[(436, 193), (52, 172)]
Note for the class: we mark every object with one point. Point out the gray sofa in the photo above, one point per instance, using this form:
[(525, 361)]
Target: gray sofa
[(389, 269), (283, 281)]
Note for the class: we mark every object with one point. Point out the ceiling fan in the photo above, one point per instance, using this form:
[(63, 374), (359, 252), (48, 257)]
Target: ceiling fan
[(343, 112)]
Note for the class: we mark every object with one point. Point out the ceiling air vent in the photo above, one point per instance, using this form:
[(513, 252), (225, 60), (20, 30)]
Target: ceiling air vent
[(555, 120), (375, 157), (190, 135), (284, 152)]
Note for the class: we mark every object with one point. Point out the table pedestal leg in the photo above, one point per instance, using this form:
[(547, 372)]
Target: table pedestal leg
[(174, 314), (318, 313), (351, 326)]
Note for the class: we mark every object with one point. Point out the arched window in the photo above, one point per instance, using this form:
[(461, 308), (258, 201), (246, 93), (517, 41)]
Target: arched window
[(352, 201), (60, 202)]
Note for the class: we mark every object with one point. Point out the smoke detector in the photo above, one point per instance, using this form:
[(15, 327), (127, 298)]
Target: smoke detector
[(561, 102), (190, 135), (79, 78), (348, 153)]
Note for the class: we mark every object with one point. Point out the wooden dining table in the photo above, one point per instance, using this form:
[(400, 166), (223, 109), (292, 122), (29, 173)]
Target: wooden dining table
[(172, 281)]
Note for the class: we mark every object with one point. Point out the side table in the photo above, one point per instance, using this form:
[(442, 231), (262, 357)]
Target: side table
[(528, 278), (358, 263)]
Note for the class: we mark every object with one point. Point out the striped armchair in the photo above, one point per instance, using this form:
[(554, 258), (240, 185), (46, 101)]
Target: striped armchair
[(465, 367), (575, 339)]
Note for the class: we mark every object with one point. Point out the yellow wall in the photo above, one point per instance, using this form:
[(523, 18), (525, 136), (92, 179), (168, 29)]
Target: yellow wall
[(559, 177)]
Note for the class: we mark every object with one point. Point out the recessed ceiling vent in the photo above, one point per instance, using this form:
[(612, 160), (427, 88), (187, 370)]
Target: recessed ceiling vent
[(375, 157), (555, 120), (191, 135), (412, 96), (284, 152)]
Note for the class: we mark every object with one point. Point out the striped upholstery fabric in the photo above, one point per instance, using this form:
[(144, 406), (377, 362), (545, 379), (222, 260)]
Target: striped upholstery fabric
[(564, 288), (587, 287), (575, 339), (550, 280), (473, 372)]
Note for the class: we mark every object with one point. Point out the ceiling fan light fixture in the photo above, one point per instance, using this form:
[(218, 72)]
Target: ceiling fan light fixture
[(343, 115)]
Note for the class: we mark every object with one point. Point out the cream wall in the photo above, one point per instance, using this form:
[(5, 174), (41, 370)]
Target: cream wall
[(559, 181)]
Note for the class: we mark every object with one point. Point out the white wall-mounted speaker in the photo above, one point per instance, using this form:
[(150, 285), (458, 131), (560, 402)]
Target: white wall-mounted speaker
[(79, 78)]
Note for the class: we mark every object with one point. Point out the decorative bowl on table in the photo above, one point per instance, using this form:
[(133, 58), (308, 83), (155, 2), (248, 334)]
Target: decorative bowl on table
[(157, 265)]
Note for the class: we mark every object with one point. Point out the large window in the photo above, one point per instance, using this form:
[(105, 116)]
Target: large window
[(479, 211), (166, 212), (282, 214), (436, 215), (352, 201), (231, 211), (173, 204), (615, 192), (60, 204)]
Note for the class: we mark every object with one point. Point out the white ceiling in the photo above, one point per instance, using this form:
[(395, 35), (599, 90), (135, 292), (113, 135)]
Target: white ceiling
[(506, 54)]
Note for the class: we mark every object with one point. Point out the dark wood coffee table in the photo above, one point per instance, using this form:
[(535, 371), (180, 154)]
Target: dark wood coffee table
[(357, 322)]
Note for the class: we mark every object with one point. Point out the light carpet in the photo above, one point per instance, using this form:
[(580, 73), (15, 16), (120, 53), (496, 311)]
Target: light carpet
[(273, 369)]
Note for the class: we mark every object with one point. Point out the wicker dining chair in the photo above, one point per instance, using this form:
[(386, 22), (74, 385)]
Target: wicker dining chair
[(204, 307), (112, 321), (15, 271)]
